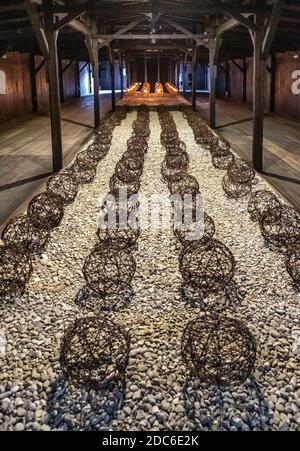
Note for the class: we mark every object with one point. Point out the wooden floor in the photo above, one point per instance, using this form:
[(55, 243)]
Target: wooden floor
[(25, 150), (153, 100), (281, 144)]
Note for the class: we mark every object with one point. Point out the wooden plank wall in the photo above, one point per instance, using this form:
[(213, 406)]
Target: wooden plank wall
[(17, 101), (286, 103), (70, 80)]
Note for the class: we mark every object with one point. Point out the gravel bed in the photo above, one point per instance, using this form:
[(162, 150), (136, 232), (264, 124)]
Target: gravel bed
[(159, 394)]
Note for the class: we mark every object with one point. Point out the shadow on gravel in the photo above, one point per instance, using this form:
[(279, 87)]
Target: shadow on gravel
[(90, 301), (239, 408), (72, 408)]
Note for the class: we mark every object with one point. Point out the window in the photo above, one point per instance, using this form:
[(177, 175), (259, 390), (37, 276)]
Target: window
[(2, 82)]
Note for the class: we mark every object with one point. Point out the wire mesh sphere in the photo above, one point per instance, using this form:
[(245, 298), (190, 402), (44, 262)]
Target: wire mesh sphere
[(15, 271), (46, 210), (107, 269), (116, 186), (186, 185), (119, 238), (208, 266), (260, 202), (172, 174), (222, 159), (21, 234), (177, 160), (138, 144), (292, 262), (64, 185), (218, 350), (240, 172), (83, 176), (84, 161), (98, 151), (129, 169), (104, 137), (281, 227), (235, 190), (94, 353), (189, 234), (176, 148)]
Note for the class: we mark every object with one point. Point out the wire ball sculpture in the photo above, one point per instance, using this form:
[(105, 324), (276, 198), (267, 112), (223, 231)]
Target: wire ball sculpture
[(116, 186), (222, 159), (83, 176), (65, 185), (189, 234), (129, 169), (21, 234), (119, 238), (84, 161), (94, 353), (107, 270), (207, 266), (218, 350), (280, 227), (240, 172), (260, 202), (235, 190), (15, 271), (172, 174), (46, 210), (97, 151), (186, 185), (292, 263)]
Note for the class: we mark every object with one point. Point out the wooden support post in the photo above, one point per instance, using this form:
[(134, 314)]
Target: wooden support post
[(227, 75), (258, 94), (53, 76), (89, 67), (112, 79), (121, 75), (194, 78), (92, 46), (61, 82), (273, 83), (77, 78), (33, 83), (245, 72), (213, 87)]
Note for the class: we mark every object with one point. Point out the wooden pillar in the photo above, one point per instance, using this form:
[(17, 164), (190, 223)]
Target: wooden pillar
[(112, 79), (273, 83), (258, 95), (245, 72), (54, 94), (121, 75), (89, 68), (158, 67), (95, 68), (213, 87), (61, 81), (93, 50), (227, 75), (77, 79), (33, 83), (194, 78)]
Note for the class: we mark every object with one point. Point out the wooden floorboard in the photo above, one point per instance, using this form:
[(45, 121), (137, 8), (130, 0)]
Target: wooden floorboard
[(25, 149), (281, 144)]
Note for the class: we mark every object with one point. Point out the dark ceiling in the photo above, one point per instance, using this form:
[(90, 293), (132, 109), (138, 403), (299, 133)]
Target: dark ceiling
[(110, 16)]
